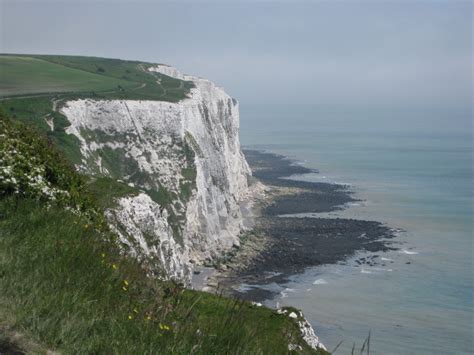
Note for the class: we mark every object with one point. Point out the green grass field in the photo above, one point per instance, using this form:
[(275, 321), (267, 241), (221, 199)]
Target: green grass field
[(28, 75), (154, 86), (74, 76)]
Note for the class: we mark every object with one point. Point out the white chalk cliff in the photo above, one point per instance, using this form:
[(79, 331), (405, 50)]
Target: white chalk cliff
[(184, 158)]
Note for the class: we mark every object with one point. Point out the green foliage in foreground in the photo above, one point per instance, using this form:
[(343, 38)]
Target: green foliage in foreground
[(35, 112), (67, 286), (31, 167)]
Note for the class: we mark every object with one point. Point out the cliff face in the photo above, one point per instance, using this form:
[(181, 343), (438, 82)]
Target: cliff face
[(184, 159)]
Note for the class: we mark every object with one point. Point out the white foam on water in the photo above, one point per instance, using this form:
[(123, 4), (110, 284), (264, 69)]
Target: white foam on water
[(320, 282), (386, 259), (381, 269), (284, 293), (353, 204), (404, 251), (363, 271)]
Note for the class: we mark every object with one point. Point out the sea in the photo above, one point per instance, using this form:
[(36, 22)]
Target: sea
[(413, 172)]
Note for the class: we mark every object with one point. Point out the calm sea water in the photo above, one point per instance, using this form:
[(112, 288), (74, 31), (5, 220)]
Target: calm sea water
[(418, 300)]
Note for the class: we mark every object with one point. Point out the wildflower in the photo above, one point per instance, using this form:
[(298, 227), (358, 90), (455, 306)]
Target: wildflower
[(164, 327), (124, 288), (130, 317), (86, 226), (148, 318), (135, 310), (125, 282), (114, 266), (102, 255)]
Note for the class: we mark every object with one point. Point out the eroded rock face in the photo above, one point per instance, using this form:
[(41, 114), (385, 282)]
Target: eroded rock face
[(143, 227), (185, 157)]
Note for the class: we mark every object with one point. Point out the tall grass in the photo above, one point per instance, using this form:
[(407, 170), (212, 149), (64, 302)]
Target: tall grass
[(72, 291), (66, 284)]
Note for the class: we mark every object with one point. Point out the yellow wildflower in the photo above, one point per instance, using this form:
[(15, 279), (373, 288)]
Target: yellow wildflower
[(114, 266), (86, 226), (124, 288), (130, 317), (164, 327), (125, 282), (102, 255)]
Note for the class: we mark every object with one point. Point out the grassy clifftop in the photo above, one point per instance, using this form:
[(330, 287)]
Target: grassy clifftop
[(67, 286), (34, 75)]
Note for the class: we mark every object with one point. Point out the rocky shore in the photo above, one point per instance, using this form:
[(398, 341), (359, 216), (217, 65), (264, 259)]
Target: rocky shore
[(283, 242)]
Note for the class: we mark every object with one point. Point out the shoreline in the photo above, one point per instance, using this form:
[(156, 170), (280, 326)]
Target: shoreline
[(283, 244)]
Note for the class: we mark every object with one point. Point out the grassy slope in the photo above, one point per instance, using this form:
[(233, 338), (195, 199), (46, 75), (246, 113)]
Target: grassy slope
[(34, 111), (66, 286), (67, 289), (153, 86), (27, 75), (75, 76)]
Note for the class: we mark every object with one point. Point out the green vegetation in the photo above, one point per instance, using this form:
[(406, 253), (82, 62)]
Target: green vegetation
[(32, 168), (161, 196), (148, 85), (67, 286), (37, 112), (105, 191), (86, 77), (20, 75)]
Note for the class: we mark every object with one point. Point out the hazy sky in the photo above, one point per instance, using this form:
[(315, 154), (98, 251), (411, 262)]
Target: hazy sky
[(397, 55)]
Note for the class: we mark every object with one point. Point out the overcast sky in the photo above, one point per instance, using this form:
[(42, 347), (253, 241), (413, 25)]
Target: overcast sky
[(349, 54)]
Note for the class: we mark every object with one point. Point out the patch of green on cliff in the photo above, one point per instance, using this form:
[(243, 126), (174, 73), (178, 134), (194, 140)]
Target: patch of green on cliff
[(106, 190), (67, 286), (188, 185), (191, 147), (162, 196)]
